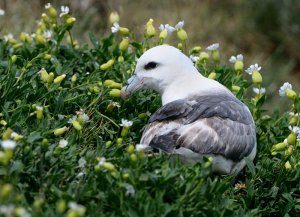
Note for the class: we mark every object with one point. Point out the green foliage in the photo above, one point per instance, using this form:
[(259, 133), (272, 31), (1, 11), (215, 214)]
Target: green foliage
[(60, 103)]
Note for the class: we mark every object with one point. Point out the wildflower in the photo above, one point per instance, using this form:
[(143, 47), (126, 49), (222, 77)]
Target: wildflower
[(48, 5), (64, 11), (8, 37), (7, 210), (181, 33), (59, 79), (115, 93), (194, 58), (107, 65), (259, 90), (115, 28), (20, 211), (101, 161), (60, 117), (150, 30), (70, 21), (15, 136), (254, 71), (124, 44), (47, 34), (2, 12), (126, 123), (77, 209), (292, 137), (238, 62), (213, 47), (60, 131), (129, 190), (294, 129), (62, 143), (165, 30), (81, 162), (114, 17), (141, 147), (288, 165), (212, 75), (8, 144), (82, 117), (39, 112), (293, 118), (287, 89), (203, 56)]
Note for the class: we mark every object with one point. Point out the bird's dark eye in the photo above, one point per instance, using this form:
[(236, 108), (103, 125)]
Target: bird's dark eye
[(150, 65)]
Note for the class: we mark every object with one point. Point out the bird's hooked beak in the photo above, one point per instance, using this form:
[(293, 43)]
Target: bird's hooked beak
[(134, 83)]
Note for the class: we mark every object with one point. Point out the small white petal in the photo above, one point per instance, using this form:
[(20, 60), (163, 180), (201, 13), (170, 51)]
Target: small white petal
[(2, 12), (213, 47), (126, 123), (62, 143), (232, 59), (8, 144), (179, 25)]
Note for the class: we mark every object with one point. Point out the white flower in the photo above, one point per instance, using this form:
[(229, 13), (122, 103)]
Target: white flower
[(141, 147), (47, 34), (115, 28), (116, 104), (179, 25), (2, 12), (233, 59), (213, 47), (62, 143), (252, 68), (60, 117), (81, 162), (169, 28), (39, 108), (259, 90), (129, 190), (102, 161), (13, 134), (126, 123), (72, 119), (23, 212), (293, 114), (64, 11), (294, 129), (48, 5), (8, 144), (8, 36), (7, 210), (194, 58), (284, 87), (84, 116), (75, 206)]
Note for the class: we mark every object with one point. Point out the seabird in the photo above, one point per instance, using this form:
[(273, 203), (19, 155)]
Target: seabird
[(199, 116)]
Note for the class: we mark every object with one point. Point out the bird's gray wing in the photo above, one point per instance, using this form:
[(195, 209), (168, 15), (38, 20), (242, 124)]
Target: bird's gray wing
[(217, 124)]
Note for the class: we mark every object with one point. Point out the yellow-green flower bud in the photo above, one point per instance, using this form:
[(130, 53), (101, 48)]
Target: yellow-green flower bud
[(279, 147), (212, 75), (23, 36), (60, 131), (290, 94), (114, 17), (61, 206), (239, 66), (14, 58), (47, 56), (133, 157), (7, 134), (116, 85), (179, 46), (293, 120), (74, 78), (235, 88), (39, 112), (59, 79), (3, 123), (120, 59), (12, 41), (40, 39), (215, 55), (288, 165), (124, 44), (38, 202), (150, 30), (18, 45), (130, 149), (52, 12), (70, 21), (107, 65), (119, 141), (203, 56), (115, 93), (163, 34), (107, 83), (181, 34), (50, 77), (289, 151), (108, 144), (125, 175), (291, 139), (45, 18), (196, 49), (124, 131), (77, 125), (109, 166), (124, 30), (44, 75), (45, 142), (143, 116), (256, 77), (97, 168), (5, 190)]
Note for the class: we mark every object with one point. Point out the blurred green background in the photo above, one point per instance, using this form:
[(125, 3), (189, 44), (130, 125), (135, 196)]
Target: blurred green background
[(266, 32)]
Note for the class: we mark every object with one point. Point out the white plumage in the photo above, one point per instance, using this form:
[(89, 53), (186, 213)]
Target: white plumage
[(199, 116)]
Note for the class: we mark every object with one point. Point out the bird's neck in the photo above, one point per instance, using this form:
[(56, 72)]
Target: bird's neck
[(187, 86)]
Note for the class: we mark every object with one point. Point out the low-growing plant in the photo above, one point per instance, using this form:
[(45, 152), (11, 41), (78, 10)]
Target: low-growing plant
[(70, 144)]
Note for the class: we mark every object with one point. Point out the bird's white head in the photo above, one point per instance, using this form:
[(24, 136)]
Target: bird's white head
[(157, 68)]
